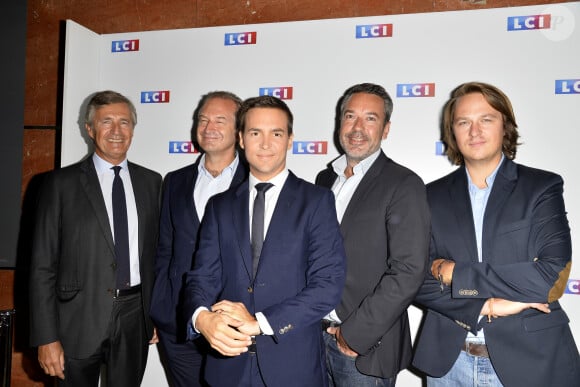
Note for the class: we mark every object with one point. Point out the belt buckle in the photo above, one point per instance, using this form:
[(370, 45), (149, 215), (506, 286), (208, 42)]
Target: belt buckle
[(325, 324), (476, 349), (252, 347)]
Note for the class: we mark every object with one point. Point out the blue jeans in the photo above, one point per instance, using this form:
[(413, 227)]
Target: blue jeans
[(468, 371), (342, 371)]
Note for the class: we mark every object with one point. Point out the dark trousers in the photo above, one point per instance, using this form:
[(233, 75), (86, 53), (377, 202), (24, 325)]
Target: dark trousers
[(123, 351), (183, 361)]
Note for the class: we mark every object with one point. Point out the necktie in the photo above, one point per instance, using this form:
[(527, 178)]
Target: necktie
[(258, 224), (121, 227)]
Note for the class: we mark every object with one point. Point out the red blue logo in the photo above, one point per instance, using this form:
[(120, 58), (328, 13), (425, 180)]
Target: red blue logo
[(125, 45), (573, 287), (374, 31), (182, 147), (412, 90), (530, 22), (309, 147), (281, 92), (161, 96), (240, 38), (567, 86)]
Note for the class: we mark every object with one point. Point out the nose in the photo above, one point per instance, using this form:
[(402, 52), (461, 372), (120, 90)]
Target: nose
[(474, 129), (357, 124), (115, 127), (265, 143)]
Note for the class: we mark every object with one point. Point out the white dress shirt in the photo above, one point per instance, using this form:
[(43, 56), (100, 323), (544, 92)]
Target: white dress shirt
[(106, 176), (206, 185)]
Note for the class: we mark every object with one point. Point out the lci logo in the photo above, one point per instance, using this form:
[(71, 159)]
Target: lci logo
[(439, 148), (125, 45), (309, 147), (409, 90), (530, 22), (573, 287), (567, 86), (236, 39), (161, 96), (282, 92), (374, 31), (182, 147)]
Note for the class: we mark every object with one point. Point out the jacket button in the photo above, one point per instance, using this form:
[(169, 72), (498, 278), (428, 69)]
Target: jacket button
[(250, 290)]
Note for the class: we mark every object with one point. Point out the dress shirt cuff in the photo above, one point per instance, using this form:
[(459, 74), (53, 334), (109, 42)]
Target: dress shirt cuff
[(333, 316), (194, 317), (264, 324)]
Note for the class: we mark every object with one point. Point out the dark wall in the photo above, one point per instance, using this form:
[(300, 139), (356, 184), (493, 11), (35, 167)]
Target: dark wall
[(12, 65)]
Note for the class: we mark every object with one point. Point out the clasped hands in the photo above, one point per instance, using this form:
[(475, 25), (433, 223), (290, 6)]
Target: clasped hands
[(442, 270), (228, 327)]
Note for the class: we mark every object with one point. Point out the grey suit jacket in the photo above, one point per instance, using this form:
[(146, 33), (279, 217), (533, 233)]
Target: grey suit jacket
[(72, 266), (386, 237)]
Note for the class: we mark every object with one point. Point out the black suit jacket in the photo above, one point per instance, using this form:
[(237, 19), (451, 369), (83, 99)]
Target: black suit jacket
[(72, 267), (178, 238), (526, 252), (386, 237)]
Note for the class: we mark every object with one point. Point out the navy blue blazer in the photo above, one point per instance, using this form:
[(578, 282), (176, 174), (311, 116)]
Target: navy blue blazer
[(526, 249), (178, 236), (299, 280)]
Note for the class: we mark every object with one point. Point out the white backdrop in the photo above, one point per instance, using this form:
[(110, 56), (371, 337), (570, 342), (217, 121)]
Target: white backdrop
[(531, 53)]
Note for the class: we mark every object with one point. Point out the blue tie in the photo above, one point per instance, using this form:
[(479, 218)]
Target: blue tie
[(258, 224), (121, 226)]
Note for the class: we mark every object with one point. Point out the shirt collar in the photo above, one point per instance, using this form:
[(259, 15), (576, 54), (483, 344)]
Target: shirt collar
[(277, 181), (339, 165), (488, 180), (227, 171), (103, 166)]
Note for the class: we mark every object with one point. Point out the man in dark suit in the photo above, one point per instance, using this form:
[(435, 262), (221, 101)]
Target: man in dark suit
[(384, 220), (92, 263), (266, 325), (500, 258), (185, 195)]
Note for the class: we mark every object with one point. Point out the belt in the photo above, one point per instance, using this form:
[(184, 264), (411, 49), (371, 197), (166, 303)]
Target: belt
[(252, 347), (475, 349), (125, 292), (328, 324)]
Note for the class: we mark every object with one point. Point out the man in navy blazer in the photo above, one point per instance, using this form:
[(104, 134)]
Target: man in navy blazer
[(500, 258), (185, 195), (263, 317)]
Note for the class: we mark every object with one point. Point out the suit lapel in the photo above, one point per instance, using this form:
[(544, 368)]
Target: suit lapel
[(503, 185), (280, 217), (140, 202), (241, 222), (461, 210), (189, 186), (362, 190), (92, 188)]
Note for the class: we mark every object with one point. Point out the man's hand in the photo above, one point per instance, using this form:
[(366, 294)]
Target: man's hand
[(220, 331), (154, 339), (444, 268), (341, 342), (51, 359), (238, 311), (501, 308)]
